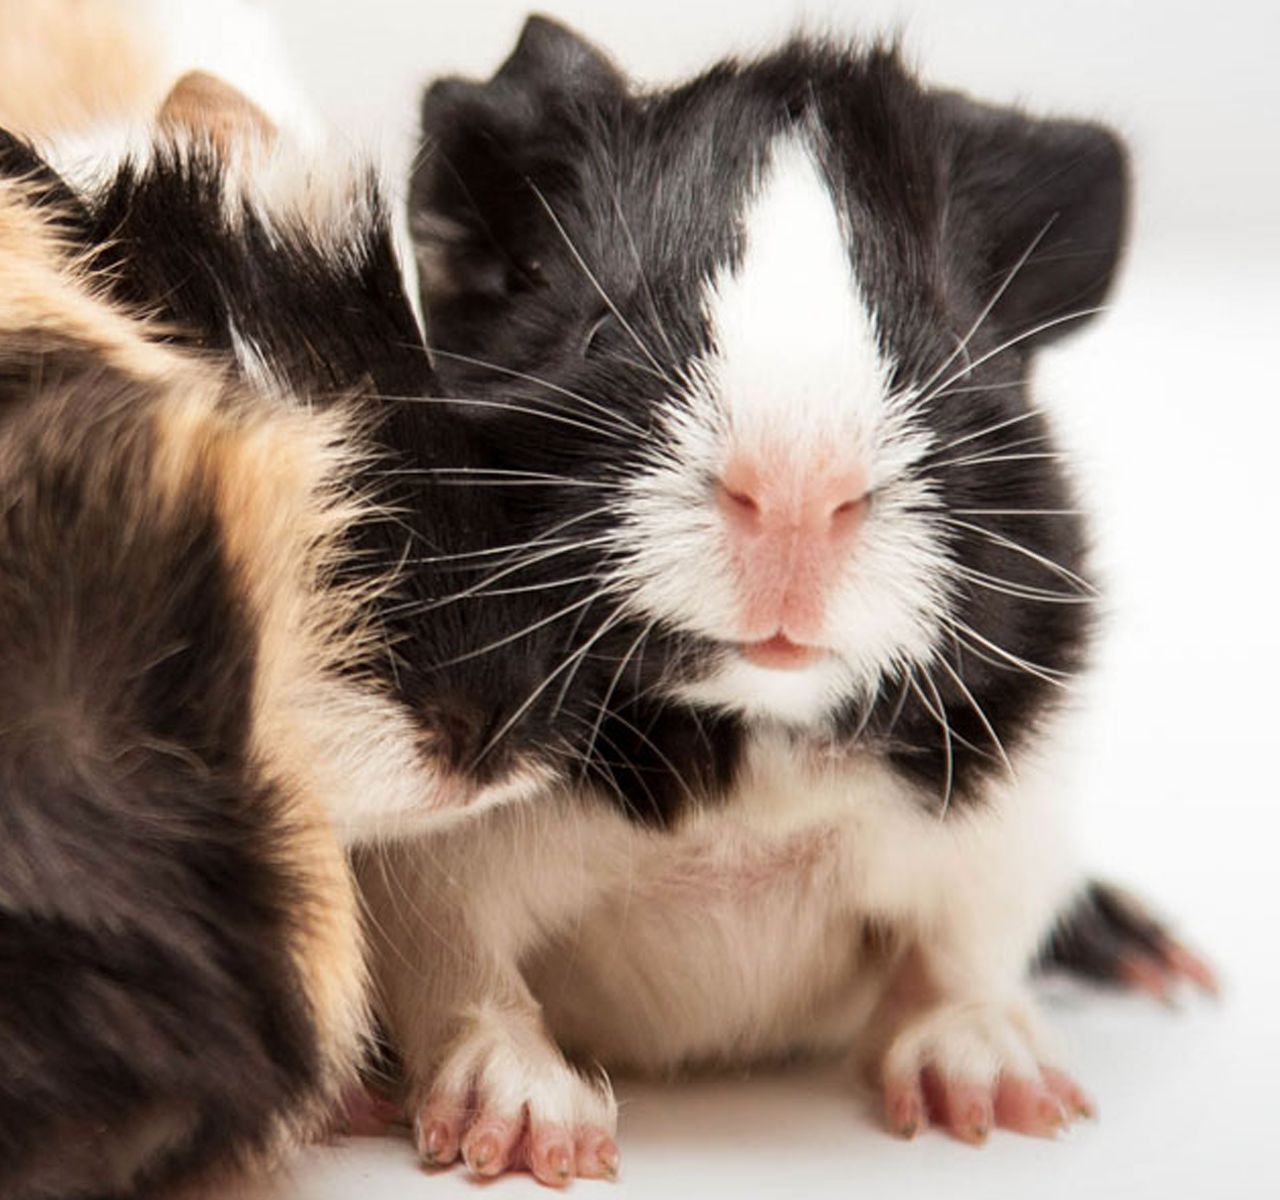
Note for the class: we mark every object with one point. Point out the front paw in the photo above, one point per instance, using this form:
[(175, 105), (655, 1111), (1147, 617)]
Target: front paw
[(504, 1099), (972, 1067)]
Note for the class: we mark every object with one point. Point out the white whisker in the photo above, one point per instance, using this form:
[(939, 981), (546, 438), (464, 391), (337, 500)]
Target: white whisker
[(987, 308), (538, 381), (504, 406), (595, 283), (939, 714), (1034, 331), (963, 632), (1018, 548), (531, 699), (982, 716), (528, 629)]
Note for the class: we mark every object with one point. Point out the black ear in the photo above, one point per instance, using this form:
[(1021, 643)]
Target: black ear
[(1053, 195), (474, 218), (551, 56)]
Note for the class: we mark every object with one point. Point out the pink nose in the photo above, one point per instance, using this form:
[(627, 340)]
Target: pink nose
[(824, 509), (791, 533)]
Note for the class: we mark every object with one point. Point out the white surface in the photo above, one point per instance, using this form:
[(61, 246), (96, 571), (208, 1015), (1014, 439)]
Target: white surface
[(1171, 403)]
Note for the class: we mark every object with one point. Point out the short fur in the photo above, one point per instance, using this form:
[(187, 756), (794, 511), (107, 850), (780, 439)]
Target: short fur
[(193, 720), (886, 823), (212, 490)]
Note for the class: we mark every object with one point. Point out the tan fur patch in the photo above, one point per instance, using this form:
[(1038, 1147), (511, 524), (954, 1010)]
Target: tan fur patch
[(43, 286), (272, 472)]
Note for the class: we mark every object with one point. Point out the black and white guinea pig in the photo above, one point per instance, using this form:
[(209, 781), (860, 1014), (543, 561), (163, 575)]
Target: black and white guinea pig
[(226, 548), (759, 345)]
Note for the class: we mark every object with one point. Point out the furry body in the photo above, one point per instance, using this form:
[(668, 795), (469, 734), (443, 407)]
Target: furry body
[(198, 596), (714, 321)]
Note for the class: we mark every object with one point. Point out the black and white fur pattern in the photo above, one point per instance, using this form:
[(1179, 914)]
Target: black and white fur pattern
[(806, 252)]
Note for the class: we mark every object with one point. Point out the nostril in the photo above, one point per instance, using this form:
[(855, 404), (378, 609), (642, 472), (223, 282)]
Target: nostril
[(737, 505), (848, 515)]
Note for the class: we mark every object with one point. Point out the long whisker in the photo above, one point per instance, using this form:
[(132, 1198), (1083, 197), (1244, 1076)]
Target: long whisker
[(1044, 674), (990, 304), (556, 483), (977, 708), (595, 283), (1019, 591), (613, 683), (531, 699), (541, 587), (1018, 548), (978, 460), (644, 278), (939, 714), (990, 429), (543, 539), (538, 381), (528, 629), (1034, 331), (523, 564), (968, 389), (1018, 512), (504, 406), (648, 741)]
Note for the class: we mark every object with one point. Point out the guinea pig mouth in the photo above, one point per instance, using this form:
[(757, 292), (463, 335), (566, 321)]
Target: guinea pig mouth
[(780, 653)]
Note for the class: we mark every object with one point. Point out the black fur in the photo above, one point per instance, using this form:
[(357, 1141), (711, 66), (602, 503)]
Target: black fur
[(144, 898), (1104, 932), (941, 196), (327, 315)]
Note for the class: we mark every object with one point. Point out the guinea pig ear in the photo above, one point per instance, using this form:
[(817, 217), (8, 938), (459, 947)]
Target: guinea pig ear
[(203, 106), (551, 56), (1043, 207), (474, 229)]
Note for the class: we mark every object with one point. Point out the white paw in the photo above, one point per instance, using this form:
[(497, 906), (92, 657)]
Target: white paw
[(971, 1067), (504, 1099)]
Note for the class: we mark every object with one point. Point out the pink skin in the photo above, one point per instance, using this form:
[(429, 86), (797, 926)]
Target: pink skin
[(1040, 1107), (365, 1113), (490, 1145), (791, 527), (1161, 972)]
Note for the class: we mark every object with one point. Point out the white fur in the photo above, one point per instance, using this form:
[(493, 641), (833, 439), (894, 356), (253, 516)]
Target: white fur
[(239, 43), (796, 378), (739, 936), (797, 366)]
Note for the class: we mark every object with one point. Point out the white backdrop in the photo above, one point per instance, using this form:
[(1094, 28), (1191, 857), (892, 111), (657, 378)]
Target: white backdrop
[(1170, 403)]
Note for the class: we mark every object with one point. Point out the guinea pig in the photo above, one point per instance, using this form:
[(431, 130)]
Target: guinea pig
[(761, 341), (229, 637)]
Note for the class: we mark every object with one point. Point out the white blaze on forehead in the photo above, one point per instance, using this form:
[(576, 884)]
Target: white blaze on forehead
[(797, 362)]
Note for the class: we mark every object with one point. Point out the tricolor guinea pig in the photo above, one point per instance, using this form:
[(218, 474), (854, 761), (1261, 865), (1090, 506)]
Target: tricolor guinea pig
[(757, 347), (232, 637)]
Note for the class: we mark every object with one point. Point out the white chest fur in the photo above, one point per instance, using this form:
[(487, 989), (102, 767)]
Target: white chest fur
[(745, 934)]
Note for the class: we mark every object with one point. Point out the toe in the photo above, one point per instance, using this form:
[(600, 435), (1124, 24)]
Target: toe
[(1186, 964), (438, 1131), (969, 1110), (489, 1144), (1146, 974), (1029, 1106), (596, 1153), (552, 1155), (1069, 1093), (904, 1106)]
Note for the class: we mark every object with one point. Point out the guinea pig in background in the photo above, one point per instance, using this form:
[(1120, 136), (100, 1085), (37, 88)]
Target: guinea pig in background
[(761, 343), (224, 521)]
